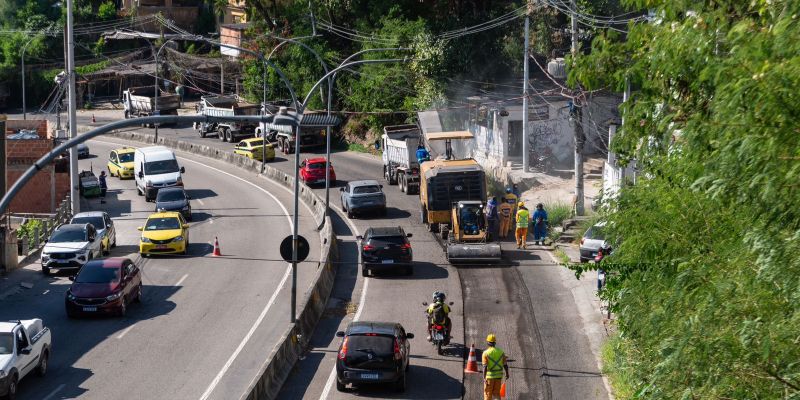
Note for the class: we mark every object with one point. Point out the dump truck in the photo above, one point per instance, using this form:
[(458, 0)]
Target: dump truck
[(448, 186), (140, 102), (283, 135), (221, 106), (400, 166)]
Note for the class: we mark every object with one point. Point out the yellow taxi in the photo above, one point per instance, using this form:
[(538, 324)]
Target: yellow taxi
[(252, 148), (164, 232), (120, 162)]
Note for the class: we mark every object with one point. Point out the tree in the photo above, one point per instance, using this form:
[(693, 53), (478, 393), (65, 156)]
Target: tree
[(707, 258), (107, 11)]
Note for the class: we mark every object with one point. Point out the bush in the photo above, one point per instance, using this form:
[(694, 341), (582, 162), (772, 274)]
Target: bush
[(557, 212), (28, 230), (107, 11)]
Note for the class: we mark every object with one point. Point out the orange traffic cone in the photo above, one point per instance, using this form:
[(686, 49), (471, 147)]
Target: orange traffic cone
[(217, 251), (93, 120), (503, 390), (472, 362)]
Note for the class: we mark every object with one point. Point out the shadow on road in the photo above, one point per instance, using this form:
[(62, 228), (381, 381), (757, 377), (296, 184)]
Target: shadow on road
[(422, 270), (422, 383), (195, 194)]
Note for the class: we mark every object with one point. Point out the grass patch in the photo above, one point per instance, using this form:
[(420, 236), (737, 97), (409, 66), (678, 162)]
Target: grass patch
[(616, 369), (562, 256), (557, 212), (357, 147)]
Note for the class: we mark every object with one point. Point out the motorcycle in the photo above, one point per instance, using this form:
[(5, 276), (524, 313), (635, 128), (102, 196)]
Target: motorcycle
[(439, 336), (602, 253)]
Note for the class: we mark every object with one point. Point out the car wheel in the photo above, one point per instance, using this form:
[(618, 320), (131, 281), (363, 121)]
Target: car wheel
[(12, 388), (364, 272), (41, 370), (138, 298), (340, 386), (45, 270), (350, 214), (123, 308), (138, 191), (400, 385), (343, 207)]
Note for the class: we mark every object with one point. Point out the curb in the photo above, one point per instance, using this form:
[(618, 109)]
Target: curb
[(275, 369)]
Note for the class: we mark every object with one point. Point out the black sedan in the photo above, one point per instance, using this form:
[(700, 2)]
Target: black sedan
[(386, 248), (174, 199), (373, 352)]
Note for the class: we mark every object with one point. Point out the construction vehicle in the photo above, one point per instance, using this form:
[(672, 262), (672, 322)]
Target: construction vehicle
[(141, 101), (400, 166), (310, 136), (223, 106), (467, 240), (447, 187)]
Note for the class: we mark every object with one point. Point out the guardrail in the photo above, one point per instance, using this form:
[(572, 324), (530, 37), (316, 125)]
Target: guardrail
[(292, 343), (33, 238)]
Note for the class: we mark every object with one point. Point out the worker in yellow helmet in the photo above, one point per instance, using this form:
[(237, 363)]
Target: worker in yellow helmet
[(494, 363), (523, 220)]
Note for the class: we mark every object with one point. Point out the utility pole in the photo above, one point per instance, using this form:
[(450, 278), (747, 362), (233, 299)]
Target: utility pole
[(73, 119), (625, 95), (525, 143), (576, 115), (222, 75)]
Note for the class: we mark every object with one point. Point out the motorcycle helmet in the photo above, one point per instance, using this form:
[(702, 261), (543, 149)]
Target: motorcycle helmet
[(440, 296), (435, 295), (508, 190)]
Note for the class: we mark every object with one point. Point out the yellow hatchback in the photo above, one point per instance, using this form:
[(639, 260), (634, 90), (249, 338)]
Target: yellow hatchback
[(253, 148), (120, 162), (165, 232)]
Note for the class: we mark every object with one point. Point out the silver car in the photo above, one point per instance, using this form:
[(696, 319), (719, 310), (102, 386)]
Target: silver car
[(592, 240), (102, 223), (359, 197)]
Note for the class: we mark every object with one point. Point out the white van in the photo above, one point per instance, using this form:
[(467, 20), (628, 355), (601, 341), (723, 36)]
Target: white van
[(154, 168)]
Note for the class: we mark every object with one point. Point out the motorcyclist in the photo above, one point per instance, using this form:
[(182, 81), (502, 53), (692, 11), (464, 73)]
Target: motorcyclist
[(439, 313)]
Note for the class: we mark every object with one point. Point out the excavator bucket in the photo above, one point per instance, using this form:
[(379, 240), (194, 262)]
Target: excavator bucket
[(474, 252)]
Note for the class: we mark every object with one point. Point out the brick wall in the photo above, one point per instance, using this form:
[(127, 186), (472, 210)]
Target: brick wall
[(14, 125), (44, 192)]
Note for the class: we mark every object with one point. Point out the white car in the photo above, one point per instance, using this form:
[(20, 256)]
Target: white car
[(592, 240), (24, 347), (70, 246), (102, 223)]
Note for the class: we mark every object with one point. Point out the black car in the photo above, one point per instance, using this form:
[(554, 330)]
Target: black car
[(386, 248), (174, 199), (373, 352)]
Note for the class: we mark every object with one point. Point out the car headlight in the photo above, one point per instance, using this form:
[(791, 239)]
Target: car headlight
[(114, 296), (178, 239), (45, 257), (179, 181), (82, 256), (146, 240), (70, 296)]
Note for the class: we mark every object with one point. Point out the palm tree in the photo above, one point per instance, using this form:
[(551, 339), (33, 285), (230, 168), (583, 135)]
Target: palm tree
[(220, 9)]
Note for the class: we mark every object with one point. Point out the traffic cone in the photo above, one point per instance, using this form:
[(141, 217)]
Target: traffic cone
[(503, 390), (472, 362), (217, 251), (93, 120)]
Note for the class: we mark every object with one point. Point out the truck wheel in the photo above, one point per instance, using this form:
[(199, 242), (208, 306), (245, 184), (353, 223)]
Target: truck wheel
[(401, 181), (423, 215), (221, 133), (201, 130), (127, 114), (228, 136), (41, 370)]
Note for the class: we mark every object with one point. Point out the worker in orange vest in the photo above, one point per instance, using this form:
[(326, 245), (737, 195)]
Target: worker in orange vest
[(505, 211)]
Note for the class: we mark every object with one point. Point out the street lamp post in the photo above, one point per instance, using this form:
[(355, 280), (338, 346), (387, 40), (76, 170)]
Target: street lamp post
[(155, 85)]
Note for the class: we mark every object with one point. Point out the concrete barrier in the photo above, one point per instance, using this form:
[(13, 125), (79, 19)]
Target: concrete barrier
[(292, 343)]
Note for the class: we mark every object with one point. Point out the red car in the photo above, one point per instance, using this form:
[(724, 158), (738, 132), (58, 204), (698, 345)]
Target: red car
[(104, 286), (312, 171)]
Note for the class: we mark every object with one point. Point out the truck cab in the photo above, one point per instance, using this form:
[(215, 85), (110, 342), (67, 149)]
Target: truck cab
[(24, 348)]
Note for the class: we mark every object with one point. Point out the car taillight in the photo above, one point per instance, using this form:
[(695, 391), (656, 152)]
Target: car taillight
[(343, 351), (406, 246), (396, 349), (368, 247)]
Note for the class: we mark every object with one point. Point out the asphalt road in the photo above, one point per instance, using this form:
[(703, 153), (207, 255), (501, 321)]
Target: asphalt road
[(206, 323), (528, 304)]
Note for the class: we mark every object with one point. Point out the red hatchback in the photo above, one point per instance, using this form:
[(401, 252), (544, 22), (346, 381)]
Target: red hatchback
[(312, 171), (104, 287)]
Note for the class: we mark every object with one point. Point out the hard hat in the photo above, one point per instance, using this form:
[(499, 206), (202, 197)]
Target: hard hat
[(522, 204), (508, 190), (491, 338)]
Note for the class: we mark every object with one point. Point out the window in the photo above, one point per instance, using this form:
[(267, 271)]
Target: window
[(170, 195), (366, 189), (242, 144), (6, 343), (96, 273), (113, 157), (161, 167), (319, 165), (126, 157), (22, 341), (68, 236), (97, 222), (158, 224)]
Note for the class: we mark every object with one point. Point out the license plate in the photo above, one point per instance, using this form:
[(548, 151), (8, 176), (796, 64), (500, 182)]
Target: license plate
[(369, 376), (320, 180), (90, 309), (161, 246), (438, 336), (387, 261)]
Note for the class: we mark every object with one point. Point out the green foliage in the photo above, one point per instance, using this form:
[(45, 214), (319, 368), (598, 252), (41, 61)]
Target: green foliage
[(92, 68), (706, 270), (99, 46), (557, 212), (28, 230), (107, 11)]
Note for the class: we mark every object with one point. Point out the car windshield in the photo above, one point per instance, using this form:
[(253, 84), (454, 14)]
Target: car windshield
[(595, 232), (170, 195), (319, 165), (97, 274), (366, 189), (254, 143), (387, 240), (378, 345), (96, 221), (126, 157), (6, 343), (158, 224), (68, 235), (160, 167)]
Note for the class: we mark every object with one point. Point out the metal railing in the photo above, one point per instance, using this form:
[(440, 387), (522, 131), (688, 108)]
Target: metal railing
[(32, 241)]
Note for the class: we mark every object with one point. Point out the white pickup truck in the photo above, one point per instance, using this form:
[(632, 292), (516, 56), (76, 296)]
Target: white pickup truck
[(24, 347)]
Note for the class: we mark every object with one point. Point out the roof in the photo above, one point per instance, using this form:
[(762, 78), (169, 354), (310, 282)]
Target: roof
[(387, 231), (360, 327), (365, 182), (72, 227), (111, 262), (171, 189), (449, 135), (7, 326), (124, 150), (89, 214), (239, 27), (254, 139), (316, 160), (164, 214)]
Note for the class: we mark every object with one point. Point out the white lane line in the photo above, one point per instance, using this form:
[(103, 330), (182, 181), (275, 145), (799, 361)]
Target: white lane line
[(46, 291), (183, 278), (361, 301), (53, 393), (201, 202), (128, 329)]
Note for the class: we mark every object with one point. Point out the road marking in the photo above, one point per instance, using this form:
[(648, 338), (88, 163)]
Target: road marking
[(128, 329), (181, 280), (46, 291), (201, 202), (53, 393), (329, 383)]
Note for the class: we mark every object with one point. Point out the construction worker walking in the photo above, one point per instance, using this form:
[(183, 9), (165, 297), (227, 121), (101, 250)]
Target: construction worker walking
[(512, 199), (504, 209), (494, 363), (523, 219)]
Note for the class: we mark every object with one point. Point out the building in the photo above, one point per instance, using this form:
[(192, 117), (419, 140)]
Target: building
[(236, 13), (184, 12), (234, 35)]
